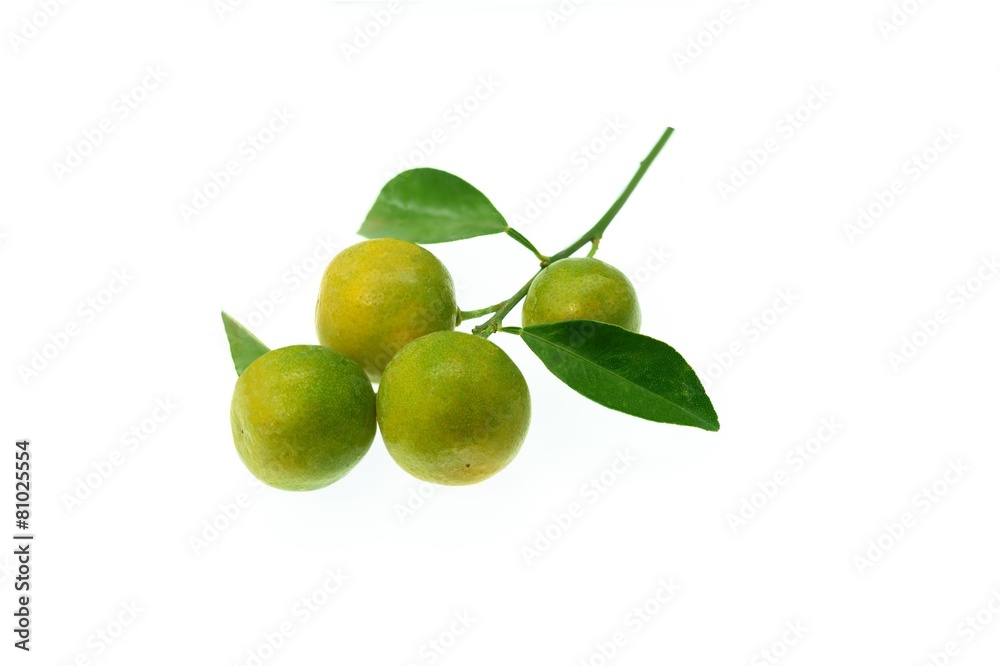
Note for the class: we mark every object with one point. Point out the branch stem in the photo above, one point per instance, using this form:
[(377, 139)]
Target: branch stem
[(492, 325), (466, 315), (597, 230), (593, 236)]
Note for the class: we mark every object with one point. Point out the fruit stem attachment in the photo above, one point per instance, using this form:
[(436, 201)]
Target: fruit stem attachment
[(519, 237), (466, 315), (593, 246), (593, 236)]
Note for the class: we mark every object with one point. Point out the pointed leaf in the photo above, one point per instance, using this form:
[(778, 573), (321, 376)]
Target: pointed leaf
[(244, 345), (431, 206), (625, 371)]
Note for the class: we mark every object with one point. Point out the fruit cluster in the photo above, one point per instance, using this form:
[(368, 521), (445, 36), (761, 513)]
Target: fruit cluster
[(452, 407)]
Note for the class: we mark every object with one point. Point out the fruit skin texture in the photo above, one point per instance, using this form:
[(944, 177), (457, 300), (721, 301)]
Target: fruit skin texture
[(582, 288), (453, 408), (302, 417), (378, 296)]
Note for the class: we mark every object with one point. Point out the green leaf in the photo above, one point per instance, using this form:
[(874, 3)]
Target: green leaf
[(244, 345), (431, 206), (622, 370)]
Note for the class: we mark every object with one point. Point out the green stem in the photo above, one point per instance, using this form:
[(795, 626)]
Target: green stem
[(593, 247), (495, 323), (466, 315), (597, 231), (492, 325), (519, 237)]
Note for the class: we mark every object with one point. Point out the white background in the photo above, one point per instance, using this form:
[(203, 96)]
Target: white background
[(668, 515)]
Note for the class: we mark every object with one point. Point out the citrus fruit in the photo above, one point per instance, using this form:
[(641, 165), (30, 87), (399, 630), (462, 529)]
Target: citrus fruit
[(453, 408), (582, 288), (378, 296), (302, 417)]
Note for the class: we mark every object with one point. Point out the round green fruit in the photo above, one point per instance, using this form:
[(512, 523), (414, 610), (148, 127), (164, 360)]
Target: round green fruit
[(583, 288), (453, 408), (378, 296), (302, 417)]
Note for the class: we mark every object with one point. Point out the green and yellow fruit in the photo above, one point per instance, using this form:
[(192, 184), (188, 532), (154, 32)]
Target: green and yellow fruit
[(302, 417), (378, 296), (453, 408), (583, 288)]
